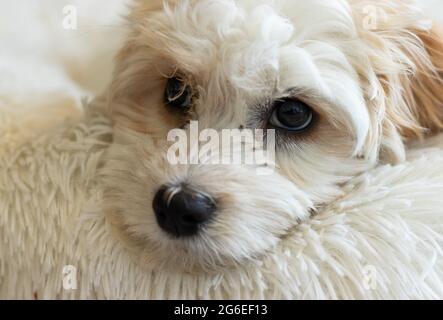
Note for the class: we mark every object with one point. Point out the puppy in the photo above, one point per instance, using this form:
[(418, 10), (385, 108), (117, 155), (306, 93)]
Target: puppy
[(343, 84)]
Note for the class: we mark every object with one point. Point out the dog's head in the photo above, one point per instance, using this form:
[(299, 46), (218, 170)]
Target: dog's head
[(342, 83)]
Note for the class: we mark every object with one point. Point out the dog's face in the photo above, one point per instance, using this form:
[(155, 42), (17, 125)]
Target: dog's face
[(339, 94)]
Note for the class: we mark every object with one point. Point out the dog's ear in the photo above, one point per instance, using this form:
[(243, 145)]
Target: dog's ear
[(426, 86), (134, 86), (404, 73)]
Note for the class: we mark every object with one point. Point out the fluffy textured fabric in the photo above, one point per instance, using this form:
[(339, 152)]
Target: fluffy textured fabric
[(388, 227)]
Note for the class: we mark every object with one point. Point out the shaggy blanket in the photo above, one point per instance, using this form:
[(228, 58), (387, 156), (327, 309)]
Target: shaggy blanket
[(384, 239)]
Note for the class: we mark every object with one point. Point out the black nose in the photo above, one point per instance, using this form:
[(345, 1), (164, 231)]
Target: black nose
[(181, 212)]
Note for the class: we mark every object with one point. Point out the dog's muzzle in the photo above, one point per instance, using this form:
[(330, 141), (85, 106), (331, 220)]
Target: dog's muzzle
[(182, 212)]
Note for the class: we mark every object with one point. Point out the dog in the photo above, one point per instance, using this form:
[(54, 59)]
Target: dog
[(344, 84)]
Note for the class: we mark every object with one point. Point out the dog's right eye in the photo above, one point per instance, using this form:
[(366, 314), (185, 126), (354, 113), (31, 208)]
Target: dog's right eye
[(178, 94)]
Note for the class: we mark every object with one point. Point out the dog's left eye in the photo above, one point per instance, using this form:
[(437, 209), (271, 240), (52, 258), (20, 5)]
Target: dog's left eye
[(292, 115), (178, 94)]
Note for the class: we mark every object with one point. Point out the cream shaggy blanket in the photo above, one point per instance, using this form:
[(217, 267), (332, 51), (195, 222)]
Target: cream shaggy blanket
[(384, 239)]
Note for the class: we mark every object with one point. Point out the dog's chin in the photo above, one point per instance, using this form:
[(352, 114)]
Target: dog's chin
[(199, 253)]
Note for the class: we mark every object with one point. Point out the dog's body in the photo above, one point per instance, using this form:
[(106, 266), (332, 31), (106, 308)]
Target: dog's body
[(369, 72)]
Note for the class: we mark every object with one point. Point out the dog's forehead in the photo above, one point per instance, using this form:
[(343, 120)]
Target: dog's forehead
[(248, 34)]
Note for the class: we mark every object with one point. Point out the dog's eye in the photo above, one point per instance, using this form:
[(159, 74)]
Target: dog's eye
[(292, 115), (178, 94)]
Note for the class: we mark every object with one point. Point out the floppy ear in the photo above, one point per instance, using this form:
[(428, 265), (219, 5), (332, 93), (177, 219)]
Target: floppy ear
[(138, 80), (404, 73), (426, 86)]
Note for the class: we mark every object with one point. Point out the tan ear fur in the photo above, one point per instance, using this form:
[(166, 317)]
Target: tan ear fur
[(403, 75), (426, 86)]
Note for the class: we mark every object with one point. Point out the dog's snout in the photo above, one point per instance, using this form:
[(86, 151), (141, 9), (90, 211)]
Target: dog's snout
[(181, 212)]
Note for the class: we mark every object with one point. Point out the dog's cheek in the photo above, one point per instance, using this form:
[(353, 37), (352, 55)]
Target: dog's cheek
[(131, 175), (254, 212)]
